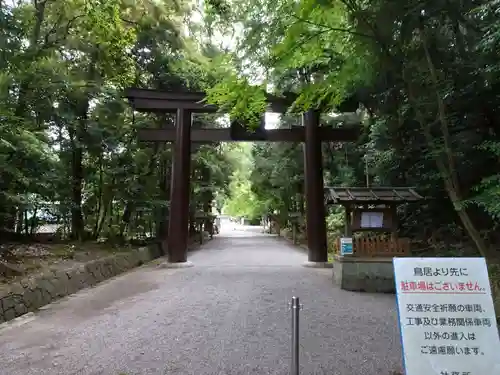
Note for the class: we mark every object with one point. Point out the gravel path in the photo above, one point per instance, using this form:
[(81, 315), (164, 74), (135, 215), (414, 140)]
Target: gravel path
[(227, 315)]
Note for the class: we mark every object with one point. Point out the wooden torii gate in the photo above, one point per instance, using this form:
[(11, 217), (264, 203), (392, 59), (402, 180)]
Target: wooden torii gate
[(184, 104)]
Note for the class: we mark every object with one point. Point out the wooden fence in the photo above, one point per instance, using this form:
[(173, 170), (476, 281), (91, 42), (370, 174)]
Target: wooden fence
[(379, 246)]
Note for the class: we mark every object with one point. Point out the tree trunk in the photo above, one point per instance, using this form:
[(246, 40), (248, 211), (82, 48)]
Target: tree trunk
[(77, 223), (106, 204), (207, 198), (447, 166), (99, 198), (451, 189), (20, 219), (163, 211)]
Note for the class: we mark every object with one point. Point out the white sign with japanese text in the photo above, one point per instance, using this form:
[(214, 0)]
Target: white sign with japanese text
[(446, 316)]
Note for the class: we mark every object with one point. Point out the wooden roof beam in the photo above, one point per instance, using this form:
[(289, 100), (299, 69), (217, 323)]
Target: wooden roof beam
[(397, 195)]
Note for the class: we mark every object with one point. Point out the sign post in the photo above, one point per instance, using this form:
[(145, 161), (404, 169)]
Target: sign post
[(346, 246), (446, 316), (295, 305)]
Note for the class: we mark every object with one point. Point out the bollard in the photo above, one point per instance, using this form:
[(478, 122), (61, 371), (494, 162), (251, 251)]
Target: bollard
[(294, 369)]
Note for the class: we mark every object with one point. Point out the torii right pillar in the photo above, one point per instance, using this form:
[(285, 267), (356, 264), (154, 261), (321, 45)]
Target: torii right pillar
[(315, 206)]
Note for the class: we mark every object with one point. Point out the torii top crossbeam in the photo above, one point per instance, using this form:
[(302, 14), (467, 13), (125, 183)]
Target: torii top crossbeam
[(147, 100)]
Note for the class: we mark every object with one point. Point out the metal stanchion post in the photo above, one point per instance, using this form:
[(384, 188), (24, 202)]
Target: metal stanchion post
[(294, 370)]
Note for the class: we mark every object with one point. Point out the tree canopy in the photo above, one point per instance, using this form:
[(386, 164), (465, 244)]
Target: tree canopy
[(68, 148), (422, 76)]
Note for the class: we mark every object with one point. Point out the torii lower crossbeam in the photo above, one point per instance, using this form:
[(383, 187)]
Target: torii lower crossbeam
[(276, 135)]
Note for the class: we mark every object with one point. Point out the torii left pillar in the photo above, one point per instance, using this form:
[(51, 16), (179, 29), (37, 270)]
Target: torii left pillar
[(179, 194)]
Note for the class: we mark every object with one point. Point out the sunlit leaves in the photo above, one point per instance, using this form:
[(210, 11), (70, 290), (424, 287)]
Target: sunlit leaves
[(240, 99), (314, 45)]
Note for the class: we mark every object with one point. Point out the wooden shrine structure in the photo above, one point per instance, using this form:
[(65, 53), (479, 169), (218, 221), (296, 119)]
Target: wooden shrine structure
[(367, 266), (184, 105), (373, 210)]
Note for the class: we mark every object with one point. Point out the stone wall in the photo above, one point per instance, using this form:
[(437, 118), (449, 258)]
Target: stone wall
[(34, 292), (375, 275)]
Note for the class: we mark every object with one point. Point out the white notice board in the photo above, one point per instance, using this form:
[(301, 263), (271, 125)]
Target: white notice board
[(372, 219), (446, 316)]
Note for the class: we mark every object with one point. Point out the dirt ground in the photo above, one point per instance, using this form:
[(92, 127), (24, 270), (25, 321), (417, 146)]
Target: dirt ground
[(25, 259)]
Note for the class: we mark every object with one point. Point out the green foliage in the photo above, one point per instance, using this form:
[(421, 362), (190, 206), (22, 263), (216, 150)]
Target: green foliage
[(488, 190), (241, 200), (236, 96), (68, 147), (424, 77), (335, 221)]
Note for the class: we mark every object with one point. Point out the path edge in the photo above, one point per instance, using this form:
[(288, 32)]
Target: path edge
[(304, 248), (36, 291)]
